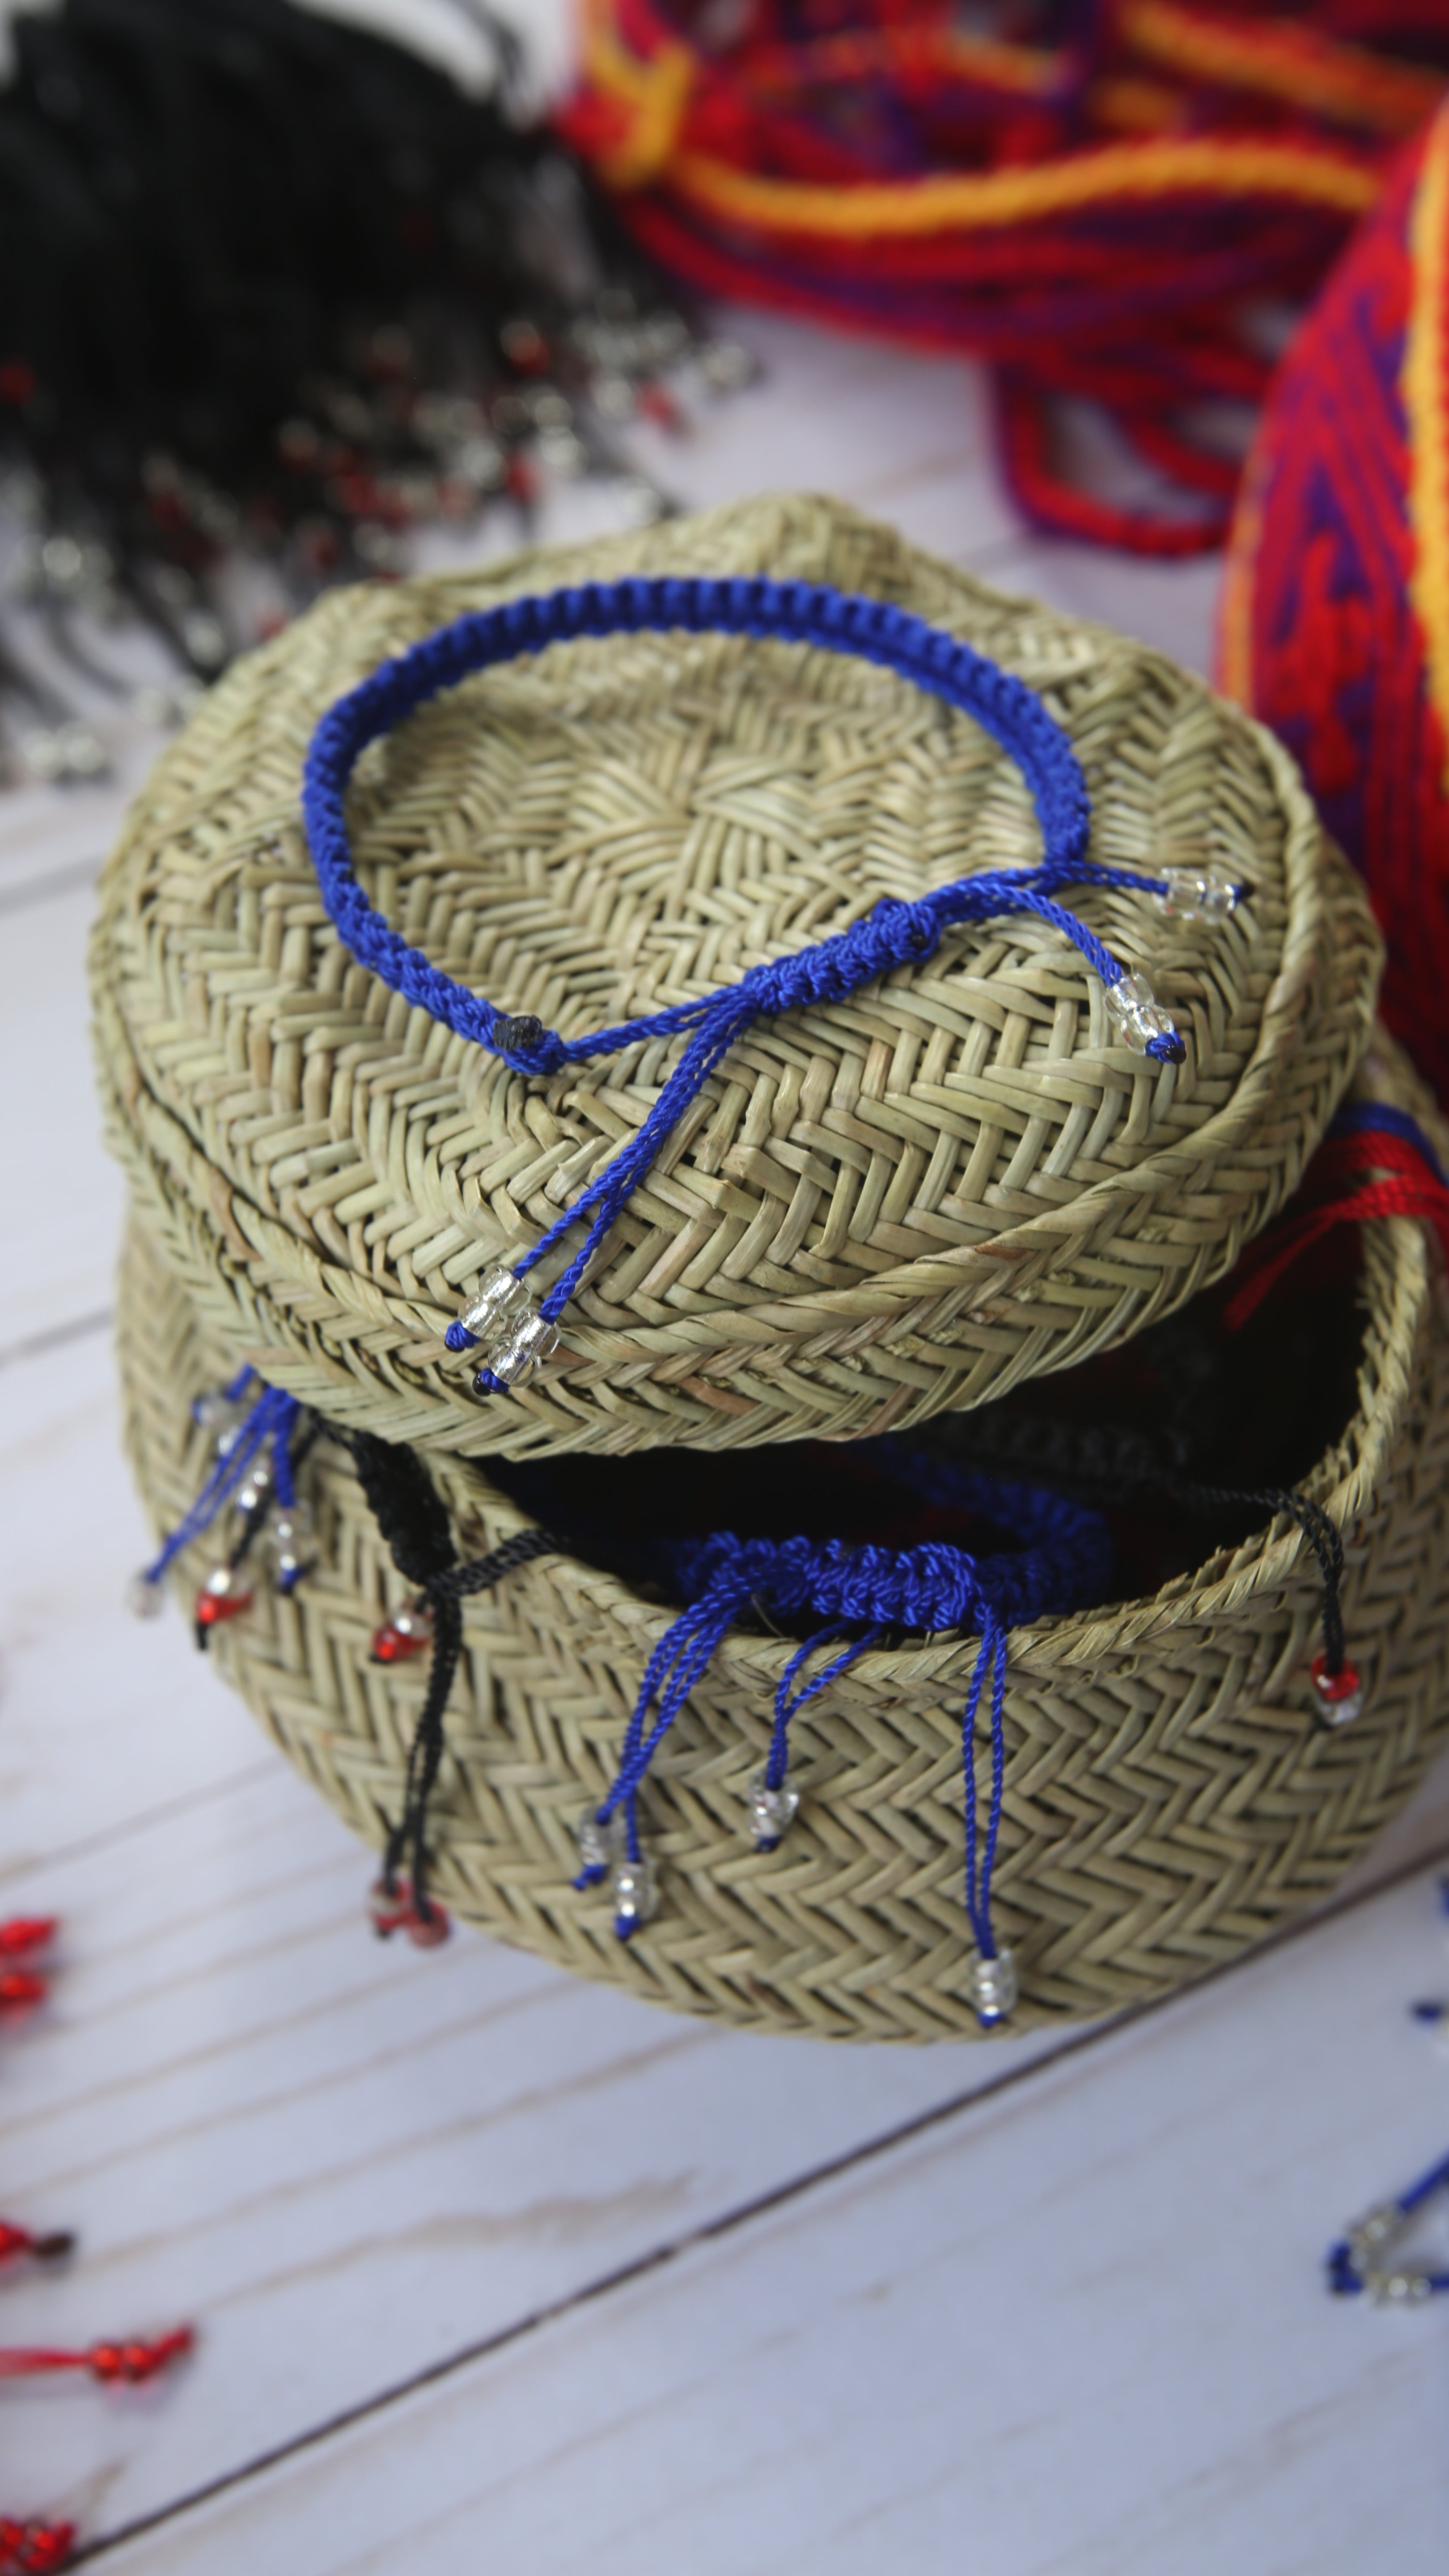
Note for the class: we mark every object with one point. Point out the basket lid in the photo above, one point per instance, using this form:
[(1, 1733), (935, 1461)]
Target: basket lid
[(878, 1205)]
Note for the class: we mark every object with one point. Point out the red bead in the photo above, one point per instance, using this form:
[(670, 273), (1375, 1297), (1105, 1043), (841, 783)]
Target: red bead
[(389, 1907), (26, 1932), (656, 403), (225, 1594), (426, 1931), (34, 2548), (1340, 1695), (50, 2248), (392, 1909), (19, 1986), (135, 2361), (407, 1633)]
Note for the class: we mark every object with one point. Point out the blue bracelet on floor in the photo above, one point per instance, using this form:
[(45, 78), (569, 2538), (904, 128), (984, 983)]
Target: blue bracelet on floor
[(1362, 2260), (500, 1317)]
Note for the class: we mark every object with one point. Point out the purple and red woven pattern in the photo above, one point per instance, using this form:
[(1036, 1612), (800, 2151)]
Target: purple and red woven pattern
[(1320, 636)]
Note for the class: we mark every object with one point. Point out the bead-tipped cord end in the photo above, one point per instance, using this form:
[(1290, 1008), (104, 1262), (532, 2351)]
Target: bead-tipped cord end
[(502, 1322), (1138, 1021), (994, 1987)]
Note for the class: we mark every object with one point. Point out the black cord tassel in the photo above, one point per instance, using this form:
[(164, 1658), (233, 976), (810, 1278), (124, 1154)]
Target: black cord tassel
[(414, 1523)]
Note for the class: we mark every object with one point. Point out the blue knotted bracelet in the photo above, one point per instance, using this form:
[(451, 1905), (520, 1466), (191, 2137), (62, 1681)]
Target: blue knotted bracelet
[(500, 1316)]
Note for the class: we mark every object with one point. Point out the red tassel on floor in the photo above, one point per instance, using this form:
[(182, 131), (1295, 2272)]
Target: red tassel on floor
[(34, 2548), (49, 2248), (18, 1938), (107, 2362)]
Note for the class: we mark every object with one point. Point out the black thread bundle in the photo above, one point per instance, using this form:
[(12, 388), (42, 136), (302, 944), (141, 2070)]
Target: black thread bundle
[(269, 281)]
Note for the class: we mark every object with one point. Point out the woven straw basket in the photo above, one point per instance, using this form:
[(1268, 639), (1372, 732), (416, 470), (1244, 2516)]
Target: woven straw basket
[(878, 1208), (1169, 1798)]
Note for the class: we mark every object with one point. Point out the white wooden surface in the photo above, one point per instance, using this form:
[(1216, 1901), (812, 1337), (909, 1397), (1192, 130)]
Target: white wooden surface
[(493, 2269)]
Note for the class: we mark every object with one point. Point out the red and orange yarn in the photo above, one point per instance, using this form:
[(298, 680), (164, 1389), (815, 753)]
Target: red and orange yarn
[(1095, 217), (1335, 618)]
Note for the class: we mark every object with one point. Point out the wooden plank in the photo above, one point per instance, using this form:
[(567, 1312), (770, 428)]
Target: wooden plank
[(103, 1719), (63, 1193), (1078, 2330), (347, 2160)]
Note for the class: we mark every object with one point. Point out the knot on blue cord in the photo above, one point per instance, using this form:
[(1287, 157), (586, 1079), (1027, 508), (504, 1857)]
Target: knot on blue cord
[(893, 934), (526, 1046)]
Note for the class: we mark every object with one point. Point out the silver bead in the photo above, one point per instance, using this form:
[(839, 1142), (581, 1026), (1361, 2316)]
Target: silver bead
[(600, 1844), (771, 1811), (525, 1346), (1135, 1013), (498, 1301), (993, 1987), (635, 1894), (1200, 892), (144, 1598)]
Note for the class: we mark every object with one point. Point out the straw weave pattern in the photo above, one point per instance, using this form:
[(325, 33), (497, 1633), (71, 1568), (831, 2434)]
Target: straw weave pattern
[(878, 1208), (1169, 1799)]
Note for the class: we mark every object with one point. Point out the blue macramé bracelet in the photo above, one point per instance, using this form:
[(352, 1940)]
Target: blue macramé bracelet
[(500, 1317)]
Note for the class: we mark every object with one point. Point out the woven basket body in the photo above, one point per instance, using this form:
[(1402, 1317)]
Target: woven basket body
[(1168, 1801), (878, 1208)]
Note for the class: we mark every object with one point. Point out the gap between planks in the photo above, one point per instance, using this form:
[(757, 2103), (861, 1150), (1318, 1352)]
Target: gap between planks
[(759, 2206)]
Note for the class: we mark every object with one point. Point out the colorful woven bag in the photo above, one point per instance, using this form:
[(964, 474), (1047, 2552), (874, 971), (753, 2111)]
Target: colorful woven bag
[(1335, 622)]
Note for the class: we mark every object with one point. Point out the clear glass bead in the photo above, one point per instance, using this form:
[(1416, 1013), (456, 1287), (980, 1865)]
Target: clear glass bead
[(1135, 1013), (289, 1542), (255, 1485), (1200, 891), (1397, 2289), (771, 1811), (1371, 2232), (222, 1415), (144, 1599), (525, 1346), (600, 1844), (498, 1302), (635, 1894), (994, 1987)]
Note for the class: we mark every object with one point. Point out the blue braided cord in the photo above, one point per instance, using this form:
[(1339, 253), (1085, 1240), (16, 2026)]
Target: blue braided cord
[(235, 1391), (992, 1658), (1365, 1115), (778, 1758), (1436, 2179), (893, 934), (271, 1418)]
